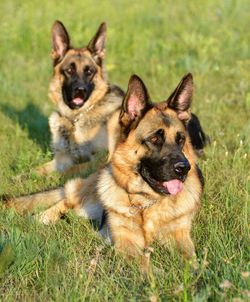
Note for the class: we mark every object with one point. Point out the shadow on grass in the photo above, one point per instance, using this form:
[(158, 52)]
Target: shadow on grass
[(33, 120)]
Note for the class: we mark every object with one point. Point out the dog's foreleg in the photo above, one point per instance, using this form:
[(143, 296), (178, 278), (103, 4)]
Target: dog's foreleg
[(128, 239), (46, 168), (61, 130), (76, 169), (53, 214), (80, 196), (31, 203), (184, 242)]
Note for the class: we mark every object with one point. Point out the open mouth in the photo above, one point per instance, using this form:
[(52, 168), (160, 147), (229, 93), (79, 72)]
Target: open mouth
[(170, 187), (75, 95), (78, 100)]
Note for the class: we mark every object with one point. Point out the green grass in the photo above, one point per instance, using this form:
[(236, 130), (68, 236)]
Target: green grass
[(160, 41)]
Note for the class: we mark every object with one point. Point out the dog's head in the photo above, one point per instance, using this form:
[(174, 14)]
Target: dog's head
[(78, 72), (154, 142)]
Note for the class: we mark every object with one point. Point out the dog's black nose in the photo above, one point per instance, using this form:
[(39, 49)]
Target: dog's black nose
[(182, 167), (80, 89)]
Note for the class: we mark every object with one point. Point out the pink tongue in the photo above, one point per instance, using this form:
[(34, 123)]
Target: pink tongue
[(174, 186), (77, 101)]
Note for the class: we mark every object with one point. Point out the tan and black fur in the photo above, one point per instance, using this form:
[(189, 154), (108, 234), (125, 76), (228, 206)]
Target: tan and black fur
[(152, 186), (86, 102)]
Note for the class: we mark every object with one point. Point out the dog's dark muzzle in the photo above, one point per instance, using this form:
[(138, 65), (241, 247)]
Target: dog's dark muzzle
[(80, 90), (171, 166), (80, 94), (167, 174)]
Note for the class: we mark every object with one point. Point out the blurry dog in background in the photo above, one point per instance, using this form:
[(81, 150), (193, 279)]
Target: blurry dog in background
[(86, 102)]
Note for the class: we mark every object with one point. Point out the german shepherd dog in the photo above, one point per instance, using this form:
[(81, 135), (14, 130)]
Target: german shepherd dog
[(86, 102), (151, 188), (87, 105)]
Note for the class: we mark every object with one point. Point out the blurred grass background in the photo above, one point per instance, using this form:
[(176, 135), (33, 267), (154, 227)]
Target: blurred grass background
[(160, 41)]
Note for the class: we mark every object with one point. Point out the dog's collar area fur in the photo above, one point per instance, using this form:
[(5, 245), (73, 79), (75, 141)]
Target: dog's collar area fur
[(81, 114), (135, 209)]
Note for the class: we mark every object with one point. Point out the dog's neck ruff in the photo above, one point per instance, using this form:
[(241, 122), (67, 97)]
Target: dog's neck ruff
[(135, 209), (130, 203), (78, 117)]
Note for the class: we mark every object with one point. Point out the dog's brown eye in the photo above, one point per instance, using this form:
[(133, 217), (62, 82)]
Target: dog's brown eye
[(88, 71), (157, 138), (154, 139), (69, 70), (180, 139)]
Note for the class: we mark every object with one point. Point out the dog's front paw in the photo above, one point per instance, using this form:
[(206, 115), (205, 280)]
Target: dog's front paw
[(48, 217), (63, 161), (46, 168)]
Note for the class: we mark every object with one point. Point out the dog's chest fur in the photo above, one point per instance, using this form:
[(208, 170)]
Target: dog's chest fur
[(84, 132), (90, 129), (157, 216)]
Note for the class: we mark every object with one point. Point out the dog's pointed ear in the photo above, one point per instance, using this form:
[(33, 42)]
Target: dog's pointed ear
[(180, 100), (135, 103), (60, 40), (97, 45)]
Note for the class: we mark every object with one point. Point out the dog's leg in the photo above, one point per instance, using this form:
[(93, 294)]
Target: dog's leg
[(46, 168), (185, 245), (81, 191), (80, 196), (76, 169), (54, 213), (128, 238), (184, 242), (29, 203), (61, 129)]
